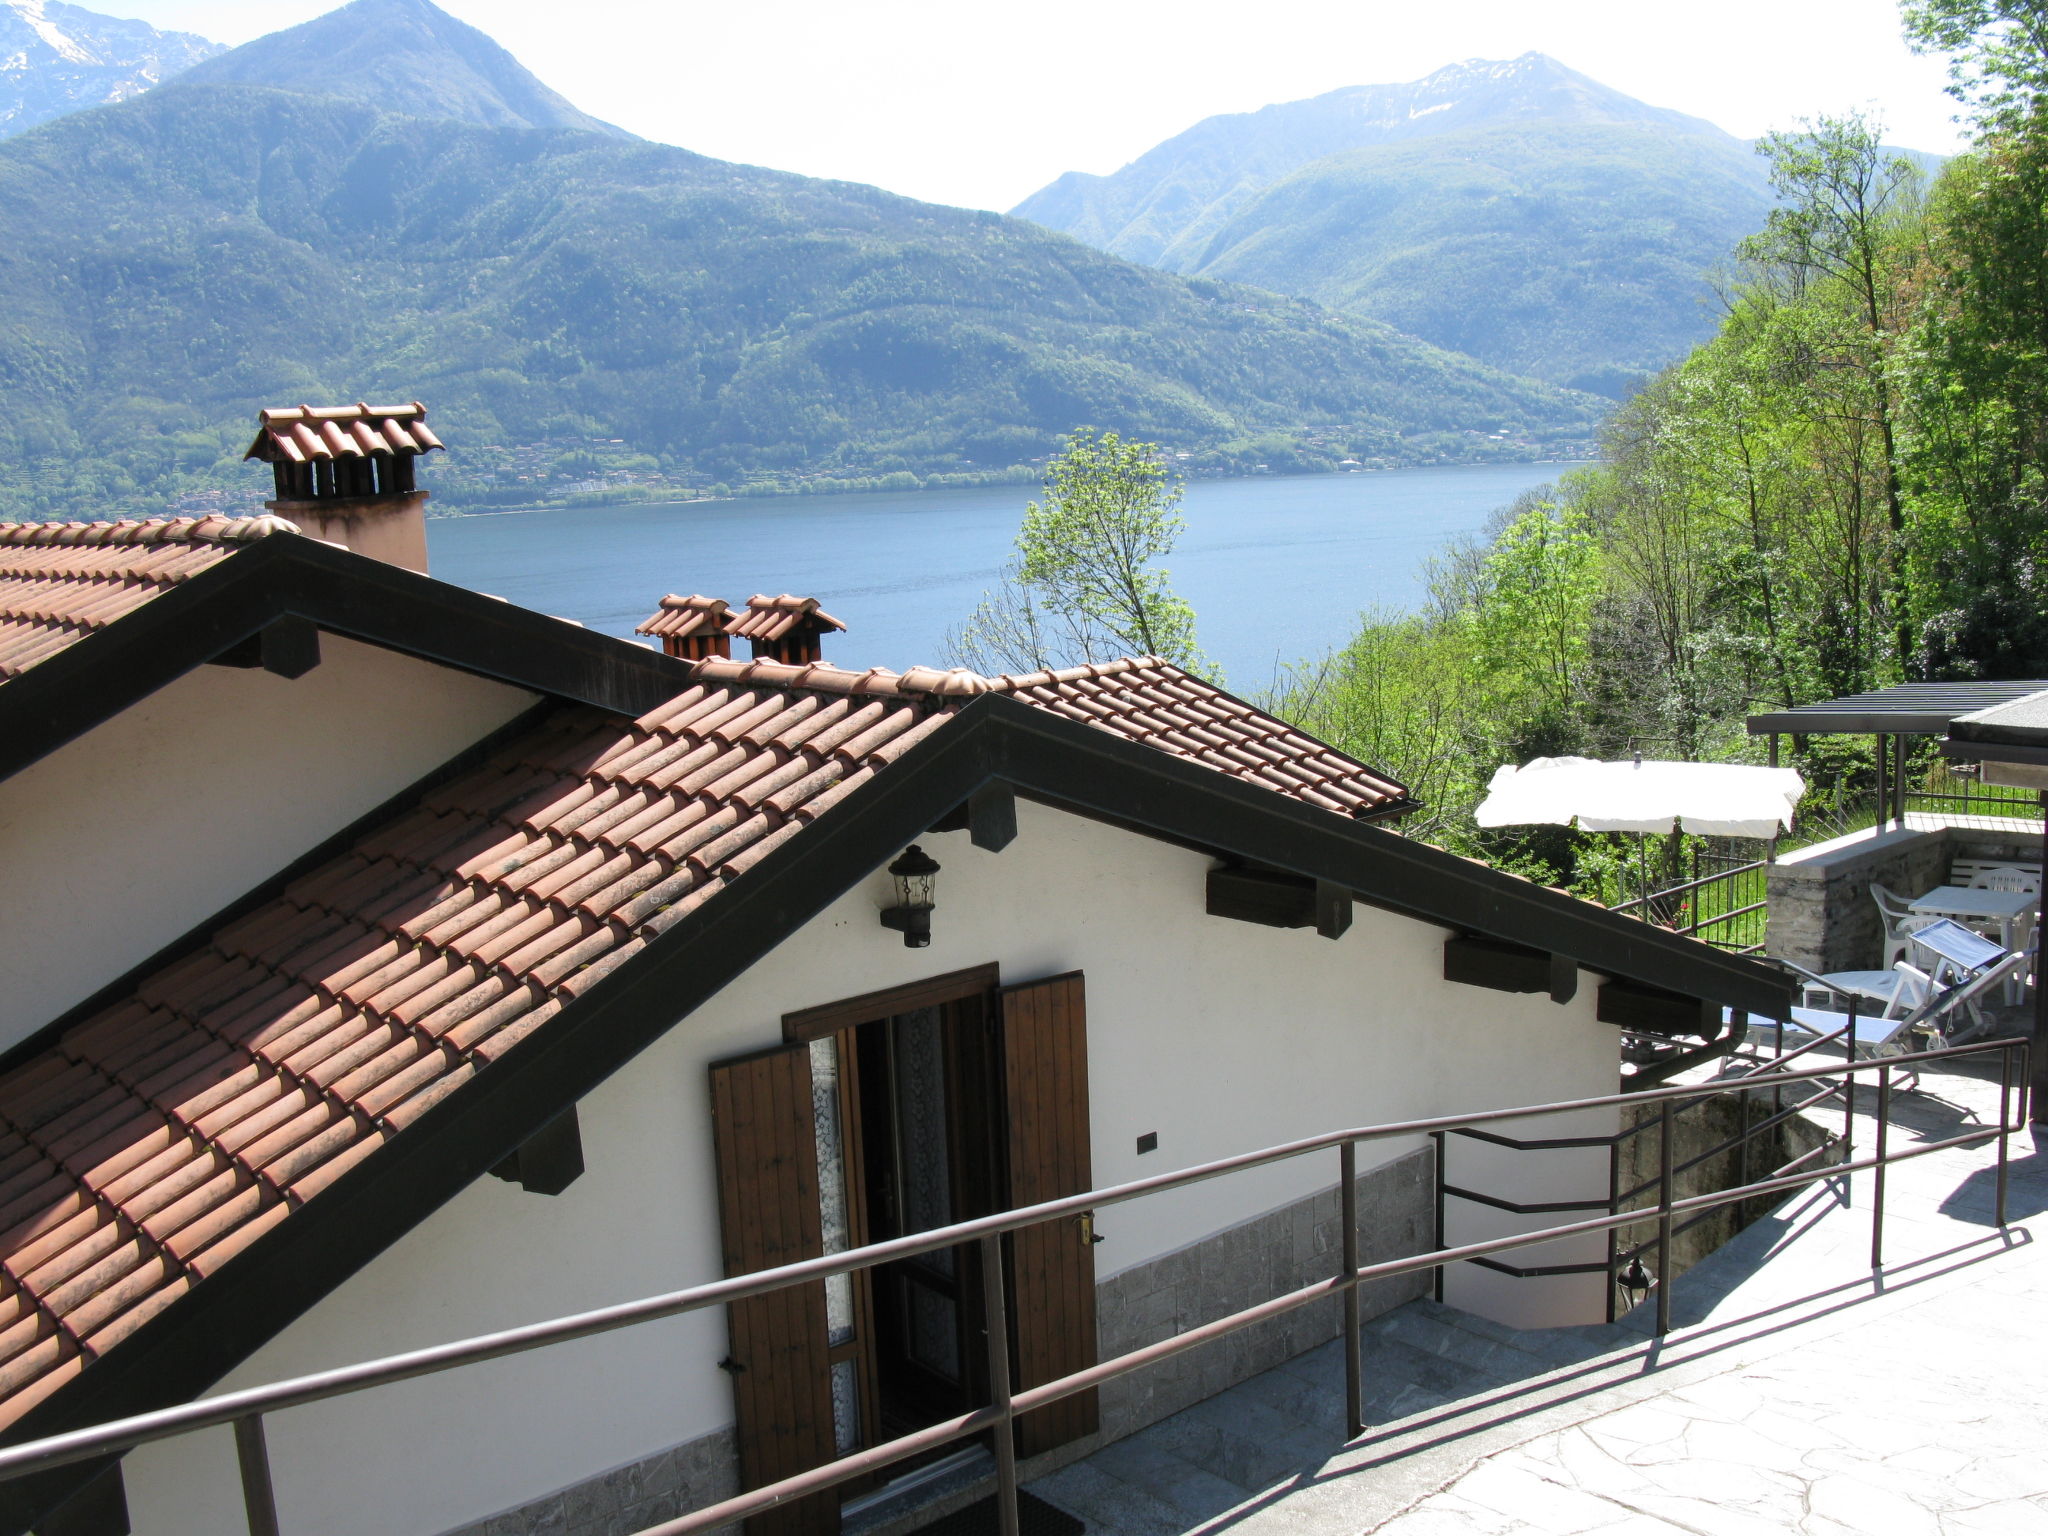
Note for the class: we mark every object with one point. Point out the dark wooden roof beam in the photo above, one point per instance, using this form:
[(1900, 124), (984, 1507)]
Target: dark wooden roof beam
[(1278, 900), (1476, 961), (1648, 1010), (988, 817), (288, 647)]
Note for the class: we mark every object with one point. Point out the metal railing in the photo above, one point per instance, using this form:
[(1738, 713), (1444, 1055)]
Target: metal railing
[(1707, 904), (1617, 1198), (1965, 800), (245, 1410)]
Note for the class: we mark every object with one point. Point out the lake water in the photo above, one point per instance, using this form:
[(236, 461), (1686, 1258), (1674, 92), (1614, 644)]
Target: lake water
[(1277, 569)]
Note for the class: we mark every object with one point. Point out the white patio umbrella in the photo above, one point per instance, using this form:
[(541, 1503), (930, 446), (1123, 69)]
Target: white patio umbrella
[(1707, 799)]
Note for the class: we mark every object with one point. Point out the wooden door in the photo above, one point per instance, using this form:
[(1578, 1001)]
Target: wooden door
[(763, 1119), (1052, 1287)]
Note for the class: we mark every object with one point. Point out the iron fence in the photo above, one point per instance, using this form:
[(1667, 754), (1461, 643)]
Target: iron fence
[(1725, 906), (245, 1410)]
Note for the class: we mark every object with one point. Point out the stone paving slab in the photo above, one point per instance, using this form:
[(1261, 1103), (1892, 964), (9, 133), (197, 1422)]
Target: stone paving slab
[(1797, 1392)]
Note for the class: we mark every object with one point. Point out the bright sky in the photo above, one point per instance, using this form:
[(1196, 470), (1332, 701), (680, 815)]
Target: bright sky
[(980, 105)]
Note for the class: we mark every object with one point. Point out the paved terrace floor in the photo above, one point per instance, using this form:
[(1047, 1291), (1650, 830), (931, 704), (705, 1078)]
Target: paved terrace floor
[(1797, 1391)]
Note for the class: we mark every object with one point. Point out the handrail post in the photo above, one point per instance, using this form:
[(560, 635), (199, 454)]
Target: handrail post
[(1664, 1219), (2005, 1126), (1438, 1138), (995, 1317), (1354, 1367), (1613, 1209), (259, 1498), (1884, 1120), (1849, 1099)]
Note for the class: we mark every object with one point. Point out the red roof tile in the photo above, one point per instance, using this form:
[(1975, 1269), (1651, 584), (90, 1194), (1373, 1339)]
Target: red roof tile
[(60, 582), (157, 1139), (680, 616), (769, 619), (301, 434)]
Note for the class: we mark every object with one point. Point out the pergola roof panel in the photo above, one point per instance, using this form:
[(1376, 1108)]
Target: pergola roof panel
[(1905, 709)]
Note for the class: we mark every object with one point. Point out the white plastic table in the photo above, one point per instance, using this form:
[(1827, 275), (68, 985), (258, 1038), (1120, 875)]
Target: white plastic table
[(2011, 911)]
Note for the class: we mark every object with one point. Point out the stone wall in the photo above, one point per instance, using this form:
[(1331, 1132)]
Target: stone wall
[(1700, 1126), (1821, 914), (1267, 1256)]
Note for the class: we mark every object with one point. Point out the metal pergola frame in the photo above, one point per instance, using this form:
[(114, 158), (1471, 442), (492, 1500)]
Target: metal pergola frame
[(1892, 715), (2015, 730)]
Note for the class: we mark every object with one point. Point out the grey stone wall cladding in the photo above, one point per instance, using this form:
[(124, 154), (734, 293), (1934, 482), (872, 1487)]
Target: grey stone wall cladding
[(629, 1498), (1267, 1256), (1821, 915), (1280, 1251)]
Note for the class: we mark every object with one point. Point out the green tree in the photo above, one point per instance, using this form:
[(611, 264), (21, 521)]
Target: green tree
[(1085, 582), (1539, 583), (1998, 52), (1840, 242)]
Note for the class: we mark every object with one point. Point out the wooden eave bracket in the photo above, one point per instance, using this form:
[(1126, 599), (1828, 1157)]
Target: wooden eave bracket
[(287, 647), (988, 817), (1654, 1011), (1278, 900), (1476, 961), (550, 1160)]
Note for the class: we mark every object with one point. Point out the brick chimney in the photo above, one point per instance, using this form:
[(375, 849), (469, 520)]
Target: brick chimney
[(345, 474), (784, 628), (690, 628)]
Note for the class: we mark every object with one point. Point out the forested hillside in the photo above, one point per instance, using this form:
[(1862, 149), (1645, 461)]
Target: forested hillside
[(176, 262), (1847, 486), (1580, 253), (1512, 209)]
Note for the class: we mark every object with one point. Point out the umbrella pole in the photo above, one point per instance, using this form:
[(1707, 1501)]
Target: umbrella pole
[(1643, 875)]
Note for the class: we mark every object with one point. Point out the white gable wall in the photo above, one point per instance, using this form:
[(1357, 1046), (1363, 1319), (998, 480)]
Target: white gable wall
[(1220, 1036), (128, 836)]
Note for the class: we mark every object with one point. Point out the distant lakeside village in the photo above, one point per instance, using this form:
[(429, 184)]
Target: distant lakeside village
[(559, 474)]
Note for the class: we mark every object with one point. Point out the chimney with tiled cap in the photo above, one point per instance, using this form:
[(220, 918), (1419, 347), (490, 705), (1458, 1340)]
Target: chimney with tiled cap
[(785, 628), (345, 474), (690, 628)]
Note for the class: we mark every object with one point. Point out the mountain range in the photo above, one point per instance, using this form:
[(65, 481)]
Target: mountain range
[(230, 240), (1514, 210), (57, 58), (414, 59)]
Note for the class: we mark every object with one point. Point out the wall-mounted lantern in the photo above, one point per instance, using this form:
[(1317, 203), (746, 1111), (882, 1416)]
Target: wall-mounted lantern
[(916, 875), (1634, 1279)]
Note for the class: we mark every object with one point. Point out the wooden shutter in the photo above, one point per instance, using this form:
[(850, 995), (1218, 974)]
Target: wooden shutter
[(762, 1116), (1045, 1075)]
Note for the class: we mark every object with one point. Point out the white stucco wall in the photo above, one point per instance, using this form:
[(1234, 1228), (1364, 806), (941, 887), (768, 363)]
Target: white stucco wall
[(1220, 1036), (128, 836)]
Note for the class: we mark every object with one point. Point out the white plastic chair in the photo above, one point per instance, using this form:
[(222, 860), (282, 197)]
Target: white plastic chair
[(2009, 877), (1939, 1015), (1900, 922), (1898, 991)]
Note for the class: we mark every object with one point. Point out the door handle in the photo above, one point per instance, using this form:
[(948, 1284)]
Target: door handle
[(1089, 1236)]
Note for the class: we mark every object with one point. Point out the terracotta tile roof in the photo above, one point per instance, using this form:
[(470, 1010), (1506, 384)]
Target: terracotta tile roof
[(1153, 701), (154, 1141), (302, 434), (1139, 697), (60, 582), (769, 619), (158, 1139), (678, 617)]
